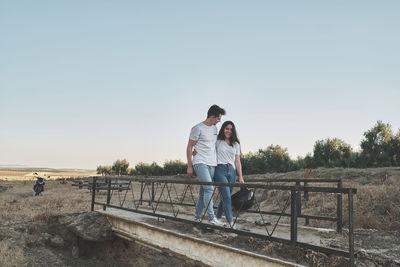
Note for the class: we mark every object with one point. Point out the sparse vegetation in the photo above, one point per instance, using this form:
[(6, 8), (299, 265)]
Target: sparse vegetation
[(11, 255), (121, 167)]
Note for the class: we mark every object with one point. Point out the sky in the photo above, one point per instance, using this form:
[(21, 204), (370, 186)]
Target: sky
[(84, 83)]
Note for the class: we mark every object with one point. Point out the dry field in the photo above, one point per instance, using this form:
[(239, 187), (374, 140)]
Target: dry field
[(24, 218), (12, 174), (376, 204)]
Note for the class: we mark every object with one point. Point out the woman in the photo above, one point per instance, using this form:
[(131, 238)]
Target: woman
[(228, 158)]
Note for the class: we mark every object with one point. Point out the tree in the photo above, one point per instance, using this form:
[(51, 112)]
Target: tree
[(394, 150), (246, 163), (253, 163), (104, 170), (108, 170), (100, 170), (156, 169), (174, 167), (332, 153), (120, 167), (131, 171), (376, 146), (305, 163), (142, 169), (277, 159), (271, 159)]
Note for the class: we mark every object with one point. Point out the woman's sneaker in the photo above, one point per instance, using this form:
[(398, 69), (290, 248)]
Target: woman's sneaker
[(231, 225), (215, 221)]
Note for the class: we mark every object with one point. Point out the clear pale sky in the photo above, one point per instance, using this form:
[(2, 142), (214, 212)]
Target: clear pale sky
[(83, 83)]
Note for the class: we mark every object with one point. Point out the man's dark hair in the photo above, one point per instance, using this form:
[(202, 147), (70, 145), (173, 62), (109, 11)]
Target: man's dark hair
[(215, 111)]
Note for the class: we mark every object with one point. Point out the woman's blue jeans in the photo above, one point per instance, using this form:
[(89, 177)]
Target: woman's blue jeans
[(225, 173), (204, 173)]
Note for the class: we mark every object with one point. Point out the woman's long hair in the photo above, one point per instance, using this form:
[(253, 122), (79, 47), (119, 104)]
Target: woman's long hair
[(233, 138)]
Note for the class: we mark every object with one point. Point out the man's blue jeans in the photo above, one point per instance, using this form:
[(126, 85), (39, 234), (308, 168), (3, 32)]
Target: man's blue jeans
[(204, 173), (225, 173)]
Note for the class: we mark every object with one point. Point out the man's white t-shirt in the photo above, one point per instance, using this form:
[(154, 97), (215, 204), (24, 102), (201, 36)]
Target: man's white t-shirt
[(226, 153), (206, 136)]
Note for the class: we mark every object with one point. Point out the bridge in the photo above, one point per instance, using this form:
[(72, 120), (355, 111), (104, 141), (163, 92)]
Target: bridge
[(130, 203)]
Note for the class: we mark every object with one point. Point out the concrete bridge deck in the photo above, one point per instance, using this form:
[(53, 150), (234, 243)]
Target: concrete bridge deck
[(139, 227)]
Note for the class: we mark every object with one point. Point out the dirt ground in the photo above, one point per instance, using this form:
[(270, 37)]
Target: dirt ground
[(24, 240)]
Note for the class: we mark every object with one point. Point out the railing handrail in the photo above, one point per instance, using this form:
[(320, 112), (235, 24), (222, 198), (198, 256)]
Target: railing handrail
[(265, 180), (304, 188)]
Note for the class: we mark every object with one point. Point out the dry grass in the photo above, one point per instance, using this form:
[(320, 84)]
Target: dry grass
[(11, 255), (21, 211), (20, 204), (376, 204)]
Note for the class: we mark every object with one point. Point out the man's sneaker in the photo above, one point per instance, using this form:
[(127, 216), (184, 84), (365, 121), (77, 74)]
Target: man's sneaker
[(216, 222), (223, 218), (197, 220)]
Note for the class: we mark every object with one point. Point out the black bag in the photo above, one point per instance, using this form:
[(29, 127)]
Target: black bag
[(243, 199)]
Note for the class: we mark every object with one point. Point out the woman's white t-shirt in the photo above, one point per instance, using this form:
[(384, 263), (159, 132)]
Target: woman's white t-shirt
[(226, 153)]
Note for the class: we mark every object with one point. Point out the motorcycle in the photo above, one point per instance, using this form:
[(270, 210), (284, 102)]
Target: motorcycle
[(39, 186)]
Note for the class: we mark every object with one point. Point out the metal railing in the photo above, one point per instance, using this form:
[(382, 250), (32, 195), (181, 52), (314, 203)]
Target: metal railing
[(171, 194)]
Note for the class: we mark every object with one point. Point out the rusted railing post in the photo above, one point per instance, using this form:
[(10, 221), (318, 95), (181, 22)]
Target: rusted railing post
[(152, 193), (141, 193), (293, 216), (108, 193), (298, 200), (351, 228), (93, 193), (339, 209), (306, 198)]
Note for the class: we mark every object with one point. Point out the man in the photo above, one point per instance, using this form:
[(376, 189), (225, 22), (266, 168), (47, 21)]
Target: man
[(203, 137)]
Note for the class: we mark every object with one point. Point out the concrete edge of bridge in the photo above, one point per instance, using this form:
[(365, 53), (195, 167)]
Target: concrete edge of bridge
[(187, 247)]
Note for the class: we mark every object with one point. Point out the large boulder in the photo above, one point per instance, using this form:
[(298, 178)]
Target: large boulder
[(90, 226)]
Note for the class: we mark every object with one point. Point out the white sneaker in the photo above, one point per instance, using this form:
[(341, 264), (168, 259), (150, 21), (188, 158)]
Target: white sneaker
[(215, 221), (231, 225), (197, 220)]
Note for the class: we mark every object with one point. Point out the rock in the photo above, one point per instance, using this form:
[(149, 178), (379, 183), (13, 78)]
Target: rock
[(196, 230), (57, 226), (56, 241), (260, 222), (90, 226), (244, 228)]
